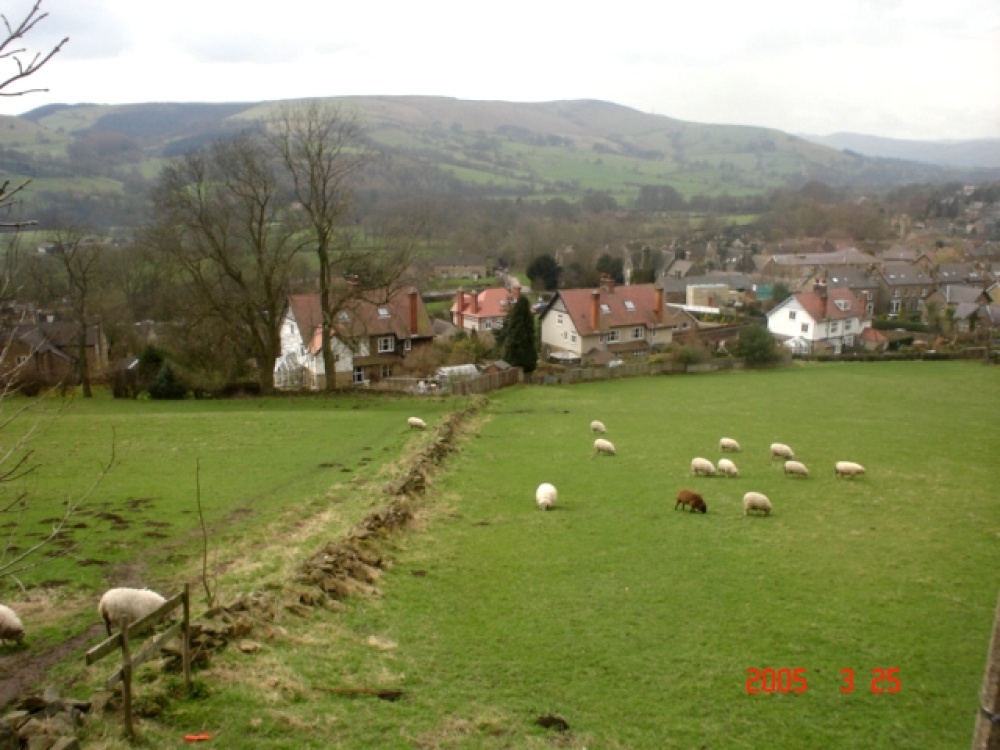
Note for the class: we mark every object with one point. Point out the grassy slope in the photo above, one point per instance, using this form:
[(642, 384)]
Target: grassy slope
[(637, 623)]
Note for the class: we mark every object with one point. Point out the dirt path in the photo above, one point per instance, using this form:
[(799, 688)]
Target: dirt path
[(22, 671)]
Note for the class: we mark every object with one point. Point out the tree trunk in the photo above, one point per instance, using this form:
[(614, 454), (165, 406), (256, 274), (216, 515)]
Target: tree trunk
[(83, 368)]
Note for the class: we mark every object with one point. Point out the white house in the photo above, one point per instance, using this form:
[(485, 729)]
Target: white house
[(811, 322)]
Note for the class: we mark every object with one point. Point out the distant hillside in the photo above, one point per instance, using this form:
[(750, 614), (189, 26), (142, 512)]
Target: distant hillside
[(964, 154), (98, 158)]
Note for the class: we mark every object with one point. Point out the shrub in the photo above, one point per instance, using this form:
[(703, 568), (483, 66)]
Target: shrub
[(167, 387)]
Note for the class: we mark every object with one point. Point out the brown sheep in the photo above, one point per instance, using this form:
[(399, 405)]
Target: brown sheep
[(692, 499)]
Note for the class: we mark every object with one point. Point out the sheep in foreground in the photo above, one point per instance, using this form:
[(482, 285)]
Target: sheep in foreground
[(780, 450), (692, 500), (598, 426), (11, 628), (848, 469), (545, 496), (702, 466), (728, 445), (604, 446), (728, 468), (416, 423), (796, 468), (131, 603), (756, 501)]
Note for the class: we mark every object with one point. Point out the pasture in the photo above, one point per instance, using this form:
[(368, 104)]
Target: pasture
[(635, 623)]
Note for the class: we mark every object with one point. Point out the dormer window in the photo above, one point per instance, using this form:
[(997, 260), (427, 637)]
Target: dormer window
[(605, 309), (842, 305), (629, 305), (383, 312), (343, 317)]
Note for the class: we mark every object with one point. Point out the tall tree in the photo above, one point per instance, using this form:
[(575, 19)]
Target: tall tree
[(544, 271), (519, 347), (223, 219), (321, 150), (79, 258)]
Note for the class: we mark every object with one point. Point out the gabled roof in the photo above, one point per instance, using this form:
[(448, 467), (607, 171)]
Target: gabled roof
[(850, 278), (618, 307), (494, 302), (904, 274), (848, 256), (372, 315), (955, 293), (873, 335), (958, 273), (838, 304)]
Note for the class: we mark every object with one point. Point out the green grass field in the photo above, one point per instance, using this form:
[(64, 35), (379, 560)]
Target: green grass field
[(635, 623)]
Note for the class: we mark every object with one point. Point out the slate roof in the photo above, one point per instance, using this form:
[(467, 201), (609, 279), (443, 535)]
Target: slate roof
[(905, 274)]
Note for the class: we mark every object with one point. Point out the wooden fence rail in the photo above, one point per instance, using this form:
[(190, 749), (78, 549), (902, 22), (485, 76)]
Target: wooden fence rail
[(120, 640)]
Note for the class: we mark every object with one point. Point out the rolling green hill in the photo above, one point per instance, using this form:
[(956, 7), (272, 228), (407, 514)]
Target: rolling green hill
[(487, 148)]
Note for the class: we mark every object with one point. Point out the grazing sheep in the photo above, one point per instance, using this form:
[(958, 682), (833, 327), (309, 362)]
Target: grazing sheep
[(780, 450), (728, 445), (728, 468), (132, 603), (702, 466), (598, 426), (756, 501), (692, 499), (604, 446), (848, 469), (416, 423), (545, 496), (796, 468), (11, 628)]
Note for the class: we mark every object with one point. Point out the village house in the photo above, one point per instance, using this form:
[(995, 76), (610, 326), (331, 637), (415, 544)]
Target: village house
[(370, 339), (902, 289), (483, 311), (48, 353), (863, 283), (803, 265), (819, 321), (462, 268), (609, 322)]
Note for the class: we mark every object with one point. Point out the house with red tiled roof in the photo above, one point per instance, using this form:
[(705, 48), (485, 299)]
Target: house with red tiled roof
[(820, 320), (623, 321), (483, 311), (372, 335)]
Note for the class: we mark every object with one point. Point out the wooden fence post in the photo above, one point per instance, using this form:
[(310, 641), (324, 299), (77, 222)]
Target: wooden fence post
[(185, 638), (127, 679), (987, 736)]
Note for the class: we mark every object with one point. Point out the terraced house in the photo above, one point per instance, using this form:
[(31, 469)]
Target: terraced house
[(609, 322), (902, 289)]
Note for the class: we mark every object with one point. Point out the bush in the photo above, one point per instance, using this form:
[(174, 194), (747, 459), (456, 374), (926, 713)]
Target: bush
[(167, 387)]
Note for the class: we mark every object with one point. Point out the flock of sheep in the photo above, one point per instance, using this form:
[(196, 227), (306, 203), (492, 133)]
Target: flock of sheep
[(546, 494), (114, 605)]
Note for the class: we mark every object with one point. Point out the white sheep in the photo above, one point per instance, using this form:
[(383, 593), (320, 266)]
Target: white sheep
[(848, 469), (416, 423), (756, 501), (604, 446), (796, 468), (702, 466), (131, 603), (11, 628), (545, 496), (728, 445), (598, 426), (728, 468), (780, 450)]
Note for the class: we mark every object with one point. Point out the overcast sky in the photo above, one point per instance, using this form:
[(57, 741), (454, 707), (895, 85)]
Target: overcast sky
[(922, 69)]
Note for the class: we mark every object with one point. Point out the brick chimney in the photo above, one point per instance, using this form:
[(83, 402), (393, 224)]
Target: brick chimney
[(820, 287), (608, 283), (595, 309), (658, 303), (459, 304), (413, 311), (475, 302)]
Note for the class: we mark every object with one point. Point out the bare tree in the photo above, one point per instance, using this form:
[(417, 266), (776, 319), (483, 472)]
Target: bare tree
[(321, 149), (25, 64), (224, 221)]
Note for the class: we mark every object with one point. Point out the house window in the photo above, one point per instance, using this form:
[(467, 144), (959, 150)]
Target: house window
[(848, 341), (637, 333), (386, 344), (573, 338), (834, 327), (407, 345), (559, 319), (386, 371), (611, 337), (805, 328), (847, 324), (791, 314), (894, 306), (359, 375), (488, 324), (21, 359), (895, 292)]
